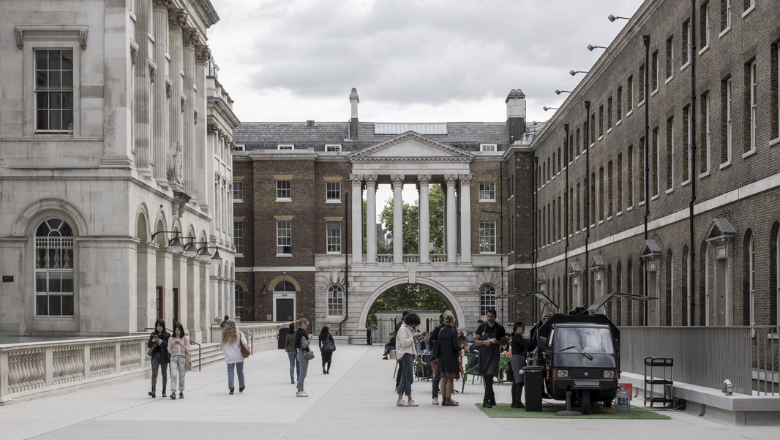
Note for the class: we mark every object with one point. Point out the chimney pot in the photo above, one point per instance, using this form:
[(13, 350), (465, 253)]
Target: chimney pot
[(354, 99), (310, 122)]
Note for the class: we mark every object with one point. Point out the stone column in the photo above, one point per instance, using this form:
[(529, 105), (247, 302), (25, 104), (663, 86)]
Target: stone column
[(176, 19), (206, 311), (371, 218), (147, 277), (142, 90), (165, 280), (452, 219), (202, 55), (180, 282), (189, 37), (398, 218), (465, 218), (160, 139), (357, 218), (425, 219), (193, 299)]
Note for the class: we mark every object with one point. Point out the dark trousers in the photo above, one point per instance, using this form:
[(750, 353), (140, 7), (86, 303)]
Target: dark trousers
[(400, 371), (490, 396), (435, 383), (158, 365)]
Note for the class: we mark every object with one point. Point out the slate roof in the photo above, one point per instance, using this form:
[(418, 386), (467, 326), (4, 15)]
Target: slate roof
[(267, 135)]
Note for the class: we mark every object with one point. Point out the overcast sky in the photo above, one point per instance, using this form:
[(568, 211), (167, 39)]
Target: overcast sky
[(411, 61)]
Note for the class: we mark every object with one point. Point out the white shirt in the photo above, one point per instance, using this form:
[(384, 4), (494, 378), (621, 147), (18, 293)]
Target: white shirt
[(405, 342), (233, 351)]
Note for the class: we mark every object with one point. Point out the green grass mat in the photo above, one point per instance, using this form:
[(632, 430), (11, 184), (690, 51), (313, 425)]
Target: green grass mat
[(505, 411)]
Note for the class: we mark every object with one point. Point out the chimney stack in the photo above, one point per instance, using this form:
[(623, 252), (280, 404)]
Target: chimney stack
[(515, 115), (353, 122)]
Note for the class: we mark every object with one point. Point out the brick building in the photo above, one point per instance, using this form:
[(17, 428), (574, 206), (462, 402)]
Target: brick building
[(291, 213), (735, 167)]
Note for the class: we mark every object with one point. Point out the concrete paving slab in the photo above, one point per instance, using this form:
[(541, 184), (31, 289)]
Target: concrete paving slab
[(355, 401)]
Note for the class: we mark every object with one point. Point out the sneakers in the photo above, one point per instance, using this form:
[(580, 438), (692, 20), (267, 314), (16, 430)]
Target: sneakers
[(231, 391), (411, 403), (301, 394), (181, 395), (435, 401), (401, 403), (241, 390)]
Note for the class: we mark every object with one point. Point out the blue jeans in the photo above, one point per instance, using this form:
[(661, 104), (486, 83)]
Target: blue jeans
[(407, 374), (303, 367), (178, 370), (239, 367), (294, 363)]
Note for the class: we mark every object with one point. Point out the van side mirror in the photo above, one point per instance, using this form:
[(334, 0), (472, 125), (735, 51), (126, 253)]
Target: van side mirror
[(543, 343)]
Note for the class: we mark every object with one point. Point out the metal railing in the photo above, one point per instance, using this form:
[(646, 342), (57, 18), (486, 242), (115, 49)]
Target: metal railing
[(706, 356)]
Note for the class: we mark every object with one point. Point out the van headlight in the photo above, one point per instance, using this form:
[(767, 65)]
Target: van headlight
[(609, 374), (563, 373)]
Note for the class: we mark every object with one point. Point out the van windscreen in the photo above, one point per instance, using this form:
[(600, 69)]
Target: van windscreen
[(588, 339)]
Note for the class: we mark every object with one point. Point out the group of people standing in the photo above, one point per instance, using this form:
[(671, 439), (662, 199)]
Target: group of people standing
[(297, 346), (446, 348)]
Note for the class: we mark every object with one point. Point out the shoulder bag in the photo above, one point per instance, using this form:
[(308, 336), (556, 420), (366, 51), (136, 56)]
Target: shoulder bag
[(244, 350), (329, 346)]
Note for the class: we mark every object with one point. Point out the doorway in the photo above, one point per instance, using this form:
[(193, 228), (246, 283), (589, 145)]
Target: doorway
[(160, 302), (284, 309)]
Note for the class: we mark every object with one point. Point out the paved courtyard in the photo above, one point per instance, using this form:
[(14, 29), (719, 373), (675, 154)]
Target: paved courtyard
[(355, 401)]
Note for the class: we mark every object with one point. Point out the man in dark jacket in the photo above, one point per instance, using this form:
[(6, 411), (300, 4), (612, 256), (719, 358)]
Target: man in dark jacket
[(489, 338), (434, 352)]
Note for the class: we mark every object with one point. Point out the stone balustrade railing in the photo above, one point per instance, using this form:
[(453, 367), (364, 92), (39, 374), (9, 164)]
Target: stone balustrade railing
[(384, 258), (32, 368), (411, 258), (261, 336), (438, 258)]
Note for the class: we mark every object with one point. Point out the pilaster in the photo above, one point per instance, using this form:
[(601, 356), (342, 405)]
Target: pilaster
[(159, 116), (465, 219), (452, 219), (425, 220), (370, 218), (398, 218)]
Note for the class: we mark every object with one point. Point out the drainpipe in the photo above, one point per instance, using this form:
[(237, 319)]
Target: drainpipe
[(566, 216), (346, 262), (536, 235), (646, 43), (586, 278), (693, 172), (501, 245)]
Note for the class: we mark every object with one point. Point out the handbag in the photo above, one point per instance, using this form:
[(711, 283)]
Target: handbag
[(244, 350), (150, 351), (309, 355), (329, 346)]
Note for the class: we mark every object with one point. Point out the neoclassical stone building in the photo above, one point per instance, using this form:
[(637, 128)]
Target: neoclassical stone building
[(114, 126), (293, 209)]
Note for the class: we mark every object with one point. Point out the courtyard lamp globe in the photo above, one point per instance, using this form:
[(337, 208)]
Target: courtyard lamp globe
[(558, 92), (574, 72), (591, 47), (205, 253), (612, 18), (191, 249), (216, 256), (545, 108), (175, 242)]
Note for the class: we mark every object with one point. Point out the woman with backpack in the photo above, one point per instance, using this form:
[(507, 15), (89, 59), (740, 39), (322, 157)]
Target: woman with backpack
[(158, 350), (232, 340), (327, 347), (178, 347)]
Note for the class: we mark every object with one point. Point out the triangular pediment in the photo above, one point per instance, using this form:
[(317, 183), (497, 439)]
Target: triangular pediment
[(720, 227), (650, 249), (411, 145)]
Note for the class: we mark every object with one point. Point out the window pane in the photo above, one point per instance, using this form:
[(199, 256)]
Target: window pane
[(67, 305), (67, 282), (40, 281), (54, 60), (67, 60), (42, 120), (41, 80), (55, 282), (55, 80), (67, 120), (41, 59), (67, 80), (42, 305), (55, 120), (55, 305), (55, 100)]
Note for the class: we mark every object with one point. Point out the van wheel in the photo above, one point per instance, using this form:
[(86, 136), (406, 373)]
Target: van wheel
[(585, 407), (608, 404)]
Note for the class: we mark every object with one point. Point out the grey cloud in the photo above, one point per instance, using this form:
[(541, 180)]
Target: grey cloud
[(408, 52)]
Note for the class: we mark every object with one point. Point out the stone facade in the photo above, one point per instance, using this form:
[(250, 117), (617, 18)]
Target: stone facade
[(737, 194), (355, 157), (113, 123)]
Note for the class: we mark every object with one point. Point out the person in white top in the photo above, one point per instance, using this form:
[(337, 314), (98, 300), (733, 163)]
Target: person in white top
[(231, 346), (406, 350)]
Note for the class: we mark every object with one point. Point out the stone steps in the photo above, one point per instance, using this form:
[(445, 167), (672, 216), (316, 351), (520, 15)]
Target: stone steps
[(212, 354)]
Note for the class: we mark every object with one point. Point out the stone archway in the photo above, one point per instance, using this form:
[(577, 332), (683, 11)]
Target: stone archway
[(449, 298)]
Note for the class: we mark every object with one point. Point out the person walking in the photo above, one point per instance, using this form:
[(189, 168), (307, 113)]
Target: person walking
[(289, 347), (232, 339), (302, 340), (178, 347), (521, 344), (489, 338), (406, 349), (160, 356), (449, 359), (327, 355)]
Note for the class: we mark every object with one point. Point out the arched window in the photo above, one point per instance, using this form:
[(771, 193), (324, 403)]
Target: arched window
[(54, 269), (335, 301), (239, 299), (752, 279), (487, 299), (284, 286)]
